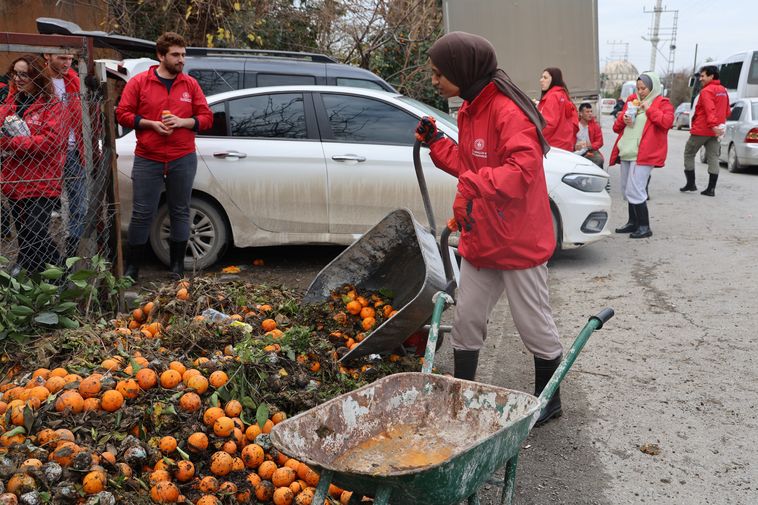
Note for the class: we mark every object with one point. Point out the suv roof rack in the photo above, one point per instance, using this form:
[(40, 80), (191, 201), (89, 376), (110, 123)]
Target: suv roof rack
[(212, 51), (124, 43)]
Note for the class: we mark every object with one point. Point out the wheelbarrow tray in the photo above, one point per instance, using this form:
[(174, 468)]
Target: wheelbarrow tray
[(396, 254), (450, 436)]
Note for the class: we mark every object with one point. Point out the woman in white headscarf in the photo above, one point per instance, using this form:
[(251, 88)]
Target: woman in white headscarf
[(642, 144)]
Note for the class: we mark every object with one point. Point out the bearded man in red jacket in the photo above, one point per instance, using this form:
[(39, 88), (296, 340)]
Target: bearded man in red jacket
[(711, 112), (166, 107)]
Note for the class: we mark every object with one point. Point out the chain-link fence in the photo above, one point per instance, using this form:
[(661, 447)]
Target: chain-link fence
[(56, 176)]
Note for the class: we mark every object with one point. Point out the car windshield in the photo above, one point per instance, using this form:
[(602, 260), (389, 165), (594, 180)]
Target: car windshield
[(444, 117)]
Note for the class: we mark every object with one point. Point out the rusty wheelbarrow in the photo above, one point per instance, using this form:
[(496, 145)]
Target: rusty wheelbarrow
[(418, 438), (400, 255)]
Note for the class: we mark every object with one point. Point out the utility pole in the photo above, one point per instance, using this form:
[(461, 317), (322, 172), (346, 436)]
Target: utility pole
[(654, 38)]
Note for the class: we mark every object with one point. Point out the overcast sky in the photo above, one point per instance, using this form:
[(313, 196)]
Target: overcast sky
[(720, 28)]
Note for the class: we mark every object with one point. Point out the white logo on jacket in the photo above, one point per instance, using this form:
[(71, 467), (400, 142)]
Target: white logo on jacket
[(479, 151), (186, 97)]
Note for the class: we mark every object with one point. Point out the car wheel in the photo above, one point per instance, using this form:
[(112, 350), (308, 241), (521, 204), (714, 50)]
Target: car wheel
[(209, 235), (556, 229), (732, 163)]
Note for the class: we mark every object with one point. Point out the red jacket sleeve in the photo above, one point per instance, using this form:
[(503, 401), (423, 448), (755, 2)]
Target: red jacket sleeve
[(596, 136), (48, 139), (126, 111), (200, 108), (552, 111), (662, 115), (444, 154), (521, 152)]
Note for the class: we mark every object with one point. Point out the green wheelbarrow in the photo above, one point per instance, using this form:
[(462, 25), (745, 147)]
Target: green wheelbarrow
[(419, 438)]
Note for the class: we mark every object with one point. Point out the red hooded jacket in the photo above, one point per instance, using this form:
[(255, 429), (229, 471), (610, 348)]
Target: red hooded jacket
[(146, 96), (711, 110), (654, 142), (33, 165), (561, 118), (498, 161)]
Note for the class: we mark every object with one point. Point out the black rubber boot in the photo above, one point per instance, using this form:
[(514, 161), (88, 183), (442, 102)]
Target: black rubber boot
[(690, 186), (177, 252), (711, 189), (135, 254), (643, 231), (465, 364), (632, 224), (543, 371)]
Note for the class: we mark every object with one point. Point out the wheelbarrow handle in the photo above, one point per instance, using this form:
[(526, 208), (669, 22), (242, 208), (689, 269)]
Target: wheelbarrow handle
[(594, 323)]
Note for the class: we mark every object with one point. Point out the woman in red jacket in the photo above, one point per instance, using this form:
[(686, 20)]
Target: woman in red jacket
[(562, 121), (501, 207), (32, 160), (642, 144)]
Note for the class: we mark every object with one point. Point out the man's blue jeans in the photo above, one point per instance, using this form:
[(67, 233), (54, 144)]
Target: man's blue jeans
[(75, 186)]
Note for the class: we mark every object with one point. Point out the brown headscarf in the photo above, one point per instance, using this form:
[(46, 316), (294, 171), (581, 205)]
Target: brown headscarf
[(469, 62)]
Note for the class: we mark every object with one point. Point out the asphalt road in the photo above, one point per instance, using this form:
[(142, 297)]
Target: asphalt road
[(675, 369)]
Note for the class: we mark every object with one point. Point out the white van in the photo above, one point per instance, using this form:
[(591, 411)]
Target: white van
[(739, 75)]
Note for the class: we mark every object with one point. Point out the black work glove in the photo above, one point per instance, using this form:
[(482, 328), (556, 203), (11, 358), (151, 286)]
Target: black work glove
[(427, 131)]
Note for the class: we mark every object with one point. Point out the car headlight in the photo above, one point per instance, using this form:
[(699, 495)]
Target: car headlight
[(586, 183)]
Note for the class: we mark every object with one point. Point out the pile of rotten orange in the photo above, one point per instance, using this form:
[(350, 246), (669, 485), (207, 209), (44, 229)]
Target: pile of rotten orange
[(166, 406)]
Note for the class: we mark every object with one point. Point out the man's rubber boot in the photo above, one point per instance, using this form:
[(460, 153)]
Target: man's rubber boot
[(465, 363), (643, 231), (543, 371), (631, 225), (711, 189), (135, 254), (177, 251), (690, 186)]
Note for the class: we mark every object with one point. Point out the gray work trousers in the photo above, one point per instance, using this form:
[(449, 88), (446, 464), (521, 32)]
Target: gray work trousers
[(528, 299), (693, 145)]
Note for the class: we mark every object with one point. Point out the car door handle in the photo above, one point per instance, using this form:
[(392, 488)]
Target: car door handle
[(229, 154), (348, 157)]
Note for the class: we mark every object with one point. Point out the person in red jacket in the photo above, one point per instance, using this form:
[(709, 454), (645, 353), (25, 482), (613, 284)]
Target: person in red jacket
[(643, 125), (33, 146), (166, 107), (589, 138), (710, 114), (562, 121), (67, 88), (501, 207)]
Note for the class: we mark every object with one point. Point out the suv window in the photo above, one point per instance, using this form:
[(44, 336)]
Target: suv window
[(358, 83), (269, 116), (358, 119), (284, 80), (216, 81)]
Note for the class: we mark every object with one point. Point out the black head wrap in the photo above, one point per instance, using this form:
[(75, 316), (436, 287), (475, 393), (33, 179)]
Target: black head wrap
[(469, 62)]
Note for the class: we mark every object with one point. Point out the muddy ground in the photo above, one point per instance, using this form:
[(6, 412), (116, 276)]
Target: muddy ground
[(674, 373)]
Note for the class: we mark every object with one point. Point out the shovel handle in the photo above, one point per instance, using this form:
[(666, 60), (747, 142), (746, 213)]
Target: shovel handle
[(595, 323)]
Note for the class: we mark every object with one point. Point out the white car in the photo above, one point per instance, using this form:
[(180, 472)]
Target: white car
[(607, 105), (322, 164)]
